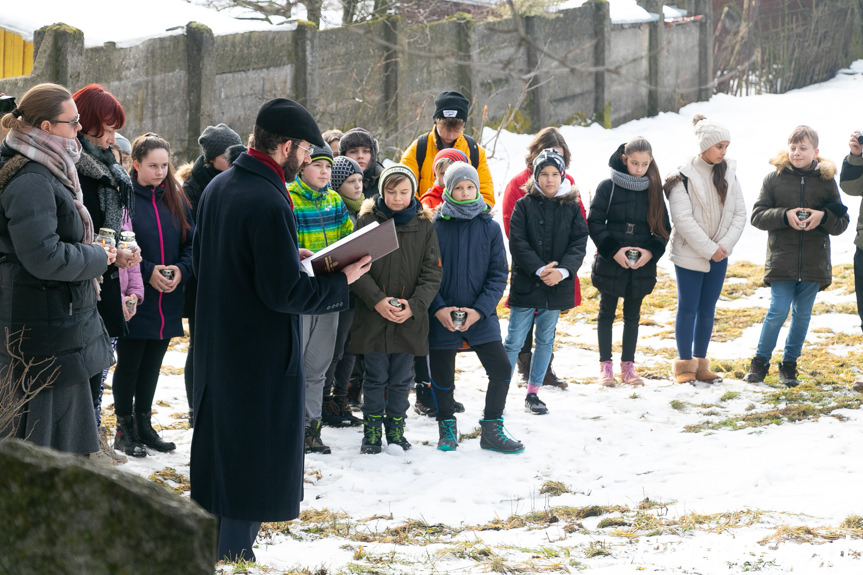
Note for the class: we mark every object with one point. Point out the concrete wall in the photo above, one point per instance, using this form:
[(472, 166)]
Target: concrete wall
[(573, 66)]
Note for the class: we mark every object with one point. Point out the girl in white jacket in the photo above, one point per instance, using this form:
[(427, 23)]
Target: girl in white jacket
[(708, 215)]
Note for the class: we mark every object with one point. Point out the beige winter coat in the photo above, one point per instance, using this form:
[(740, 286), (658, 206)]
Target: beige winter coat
[(700, 222)]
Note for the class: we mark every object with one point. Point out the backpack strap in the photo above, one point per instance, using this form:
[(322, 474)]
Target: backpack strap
[(422, 148), (474, 151)]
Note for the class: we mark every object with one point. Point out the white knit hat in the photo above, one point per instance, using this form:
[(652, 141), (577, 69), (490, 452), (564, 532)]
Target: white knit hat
[(709, 132)]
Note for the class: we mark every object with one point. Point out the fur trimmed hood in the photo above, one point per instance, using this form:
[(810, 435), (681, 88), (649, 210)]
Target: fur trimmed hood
[(10, 169), (826, 168), (573, 196)]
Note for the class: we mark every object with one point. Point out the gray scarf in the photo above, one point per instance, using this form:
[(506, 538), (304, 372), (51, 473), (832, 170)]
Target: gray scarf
[(624, 180), (116, 195), (467, 210)]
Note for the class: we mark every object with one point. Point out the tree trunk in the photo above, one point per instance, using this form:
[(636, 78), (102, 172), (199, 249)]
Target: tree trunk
[(349, 11), (313, 11)]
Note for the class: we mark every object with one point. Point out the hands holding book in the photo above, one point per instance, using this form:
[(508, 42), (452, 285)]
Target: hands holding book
[(357, 269)]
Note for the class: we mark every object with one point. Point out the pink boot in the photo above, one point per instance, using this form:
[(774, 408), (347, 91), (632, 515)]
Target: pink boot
[(606, 376), (628, 375)]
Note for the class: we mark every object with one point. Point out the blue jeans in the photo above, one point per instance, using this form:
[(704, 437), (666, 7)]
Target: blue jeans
[(799, 296), (697, 294), (520, 319)]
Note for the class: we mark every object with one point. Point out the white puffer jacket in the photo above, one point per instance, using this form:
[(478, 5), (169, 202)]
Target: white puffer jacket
[(700, 222)]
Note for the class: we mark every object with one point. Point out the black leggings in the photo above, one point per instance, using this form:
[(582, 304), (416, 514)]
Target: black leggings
[(497, 368), (137, 373), (605, 320)]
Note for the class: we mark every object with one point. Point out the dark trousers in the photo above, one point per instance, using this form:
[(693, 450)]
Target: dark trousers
[(386, 383), (189, 370), (237, 539), (137, 373), (97, 387), (858, 281), (605, 321), (497, 368), (421, 369), (339, 373)]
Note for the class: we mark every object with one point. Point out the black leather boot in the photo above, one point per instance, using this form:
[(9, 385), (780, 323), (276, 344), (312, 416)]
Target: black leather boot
[(148, 436), (126, 439)]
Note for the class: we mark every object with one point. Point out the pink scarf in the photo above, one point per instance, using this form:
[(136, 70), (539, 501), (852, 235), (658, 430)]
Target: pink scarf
[(59, 155)]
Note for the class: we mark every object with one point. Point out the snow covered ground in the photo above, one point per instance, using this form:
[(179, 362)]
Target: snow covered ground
[(768, 498)]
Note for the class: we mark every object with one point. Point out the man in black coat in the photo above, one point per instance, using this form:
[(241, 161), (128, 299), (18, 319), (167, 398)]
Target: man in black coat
[(247, 449)]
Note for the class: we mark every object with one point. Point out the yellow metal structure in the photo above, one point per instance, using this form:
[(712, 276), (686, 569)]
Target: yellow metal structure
[(16, 55)]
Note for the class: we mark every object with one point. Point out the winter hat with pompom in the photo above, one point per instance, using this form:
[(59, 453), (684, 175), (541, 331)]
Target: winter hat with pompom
[(709, 132)]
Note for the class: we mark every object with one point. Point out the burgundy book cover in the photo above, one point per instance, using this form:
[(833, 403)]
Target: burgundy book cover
[(376, 239)]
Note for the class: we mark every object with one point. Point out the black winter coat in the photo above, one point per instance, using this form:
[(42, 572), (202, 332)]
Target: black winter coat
[(247, 449), (618, 218), (46, 275), (543, 230), (797, 255), (202, 174), (93, 176)]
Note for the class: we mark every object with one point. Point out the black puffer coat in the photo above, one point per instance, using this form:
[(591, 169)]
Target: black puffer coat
[(46, 275), (618, 218), (797, 255), (543, 230), (97, 181)]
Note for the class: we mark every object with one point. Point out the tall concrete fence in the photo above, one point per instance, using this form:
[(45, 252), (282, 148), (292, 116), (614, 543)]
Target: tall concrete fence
[(575, 66)]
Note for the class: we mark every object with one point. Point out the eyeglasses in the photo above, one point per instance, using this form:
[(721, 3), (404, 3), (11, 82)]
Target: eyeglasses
[(308, 151), (73, 122)]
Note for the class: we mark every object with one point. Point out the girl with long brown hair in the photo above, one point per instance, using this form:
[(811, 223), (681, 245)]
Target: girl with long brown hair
[(629, 225), (709, 214), (162, 224)]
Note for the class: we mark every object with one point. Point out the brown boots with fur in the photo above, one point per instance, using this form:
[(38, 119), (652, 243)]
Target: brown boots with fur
[(692, 370)]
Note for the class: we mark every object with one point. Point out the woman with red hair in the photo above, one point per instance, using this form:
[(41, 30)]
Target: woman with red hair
[(109, 197)]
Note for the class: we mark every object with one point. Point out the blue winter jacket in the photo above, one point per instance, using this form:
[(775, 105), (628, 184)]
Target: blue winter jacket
[(474, 275), (157, 232)]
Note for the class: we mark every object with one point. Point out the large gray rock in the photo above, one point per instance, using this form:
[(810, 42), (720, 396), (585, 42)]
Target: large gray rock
[(59, 513)]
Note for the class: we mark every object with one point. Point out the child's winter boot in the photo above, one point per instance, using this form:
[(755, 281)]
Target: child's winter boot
[(448, 435), (496, 438), (628, 374), (703, 372), (372, 425), (395, 432)]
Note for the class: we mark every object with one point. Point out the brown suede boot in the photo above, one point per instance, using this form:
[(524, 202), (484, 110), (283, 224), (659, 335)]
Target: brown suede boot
[(684, 370), (704, 374)]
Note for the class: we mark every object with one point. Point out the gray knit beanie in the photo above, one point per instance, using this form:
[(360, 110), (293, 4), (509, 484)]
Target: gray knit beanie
[(123, 143), (216, 139), (343, 168), (709, 132), (457, 172)]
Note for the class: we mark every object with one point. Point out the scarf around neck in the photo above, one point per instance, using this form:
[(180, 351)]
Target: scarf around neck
[(630, 182), (54, 152), (59, 155), (116, 196), (401, 217), (465, 210), (353, 205)]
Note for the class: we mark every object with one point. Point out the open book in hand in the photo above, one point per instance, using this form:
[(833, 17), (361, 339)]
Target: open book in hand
[(376, 239)]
